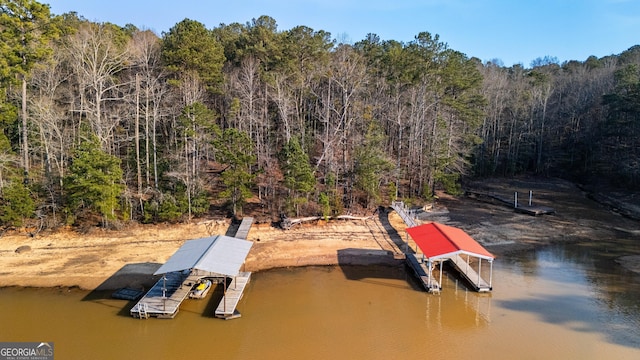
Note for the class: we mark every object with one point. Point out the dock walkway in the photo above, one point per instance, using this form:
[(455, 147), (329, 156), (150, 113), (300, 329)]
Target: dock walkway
[(401, 209), (233, 293), (470, 274), (243, 229), (423, 273)]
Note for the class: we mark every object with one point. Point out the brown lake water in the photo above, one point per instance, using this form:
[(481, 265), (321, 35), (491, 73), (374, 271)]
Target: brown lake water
[(559, 302)]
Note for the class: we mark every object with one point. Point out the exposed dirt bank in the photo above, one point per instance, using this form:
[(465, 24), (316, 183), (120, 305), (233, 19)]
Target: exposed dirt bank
[(108, 260)]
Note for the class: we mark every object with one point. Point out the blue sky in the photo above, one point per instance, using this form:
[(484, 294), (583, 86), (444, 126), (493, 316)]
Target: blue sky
[(514, 31)]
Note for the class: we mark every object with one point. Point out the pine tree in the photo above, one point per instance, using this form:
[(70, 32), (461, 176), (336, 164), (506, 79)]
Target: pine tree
[(189, 47), (16, 204), (371, 164), (26, 26), (298, 174), (94, 180), (236, 150)]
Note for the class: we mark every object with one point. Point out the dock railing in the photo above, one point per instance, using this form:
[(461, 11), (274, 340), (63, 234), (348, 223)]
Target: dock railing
[(404, 213)]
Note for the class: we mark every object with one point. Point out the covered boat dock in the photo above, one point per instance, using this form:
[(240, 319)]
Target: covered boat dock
[(219, 257), (439, 243)]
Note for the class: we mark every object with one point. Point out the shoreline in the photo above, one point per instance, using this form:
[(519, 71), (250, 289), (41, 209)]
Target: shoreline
[(108, 260)]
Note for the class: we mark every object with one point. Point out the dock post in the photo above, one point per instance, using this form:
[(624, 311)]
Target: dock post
[(530, 196), (515, 201), (440, 284), (491, 275)]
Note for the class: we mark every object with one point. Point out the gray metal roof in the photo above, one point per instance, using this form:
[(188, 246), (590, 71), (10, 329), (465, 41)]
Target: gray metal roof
[(219, 254)]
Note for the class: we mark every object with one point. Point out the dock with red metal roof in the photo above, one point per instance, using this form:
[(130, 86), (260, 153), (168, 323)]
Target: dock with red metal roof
[(439, 243)]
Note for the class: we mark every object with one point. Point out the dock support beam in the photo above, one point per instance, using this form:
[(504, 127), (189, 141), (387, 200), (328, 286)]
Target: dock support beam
[(491, 275)]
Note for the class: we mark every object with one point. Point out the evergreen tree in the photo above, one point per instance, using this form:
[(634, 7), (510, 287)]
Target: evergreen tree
[(26, 27), (16, 204), (298, 174), (236, 150), (94, 180), (189, 47), (371, 163)]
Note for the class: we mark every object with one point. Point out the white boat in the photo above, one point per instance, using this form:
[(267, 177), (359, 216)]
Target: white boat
[(201, 289)]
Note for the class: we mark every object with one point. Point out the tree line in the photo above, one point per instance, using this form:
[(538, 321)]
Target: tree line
[(105, 124)]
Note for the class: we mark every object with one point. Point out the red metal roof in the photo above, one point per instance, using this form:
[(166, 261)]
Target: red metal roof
[(438, 240)]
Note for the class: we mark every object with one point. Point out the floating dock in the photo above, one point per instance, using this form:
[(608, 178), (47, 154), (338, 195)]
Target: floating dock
[(529, 209), (472, 276), (127, 294), (423, 273), (214, 258), (232, 295), (440, 243), (164, 298)]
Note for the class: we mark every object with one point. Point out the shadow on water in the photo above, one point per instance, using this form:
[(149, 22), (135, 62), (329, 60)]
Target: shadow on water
[(582, 288), (213, 299), (376, 267), (137, 276), (576, 313), (369, 265)]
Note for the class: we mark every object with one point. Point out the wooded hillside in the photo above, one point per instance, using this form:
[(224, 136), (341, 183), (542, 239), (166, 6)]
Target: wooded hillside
[(105, 124)]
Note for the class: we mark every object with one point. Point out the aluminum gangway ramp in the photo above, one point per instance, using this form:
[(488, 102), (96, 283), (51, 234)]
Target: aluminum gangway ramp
[(404, 214), (470, 274), (232, 295), (243, 229)]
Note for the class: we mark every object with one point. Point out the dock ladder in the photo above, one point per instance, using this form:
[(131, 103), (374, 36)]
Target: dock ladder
[(143, 311)]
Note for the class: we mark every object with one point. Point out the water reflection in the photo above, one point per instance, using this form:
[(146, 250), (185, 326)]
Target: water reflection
[(582, 290)]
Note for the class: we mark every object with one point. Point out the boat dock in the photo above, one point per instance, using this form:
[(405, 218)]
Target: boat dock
[(528, 209), (216, 258), (440, 243), (232, 295), (233, 292), (472, 276), (423, 273), (164, 298)]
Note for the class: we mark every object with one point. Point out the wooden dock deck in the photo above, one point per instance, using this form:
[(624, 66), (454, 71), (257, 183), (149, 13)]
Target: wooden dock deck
[(534, 210), (470, 274), (164, 298), (243, 229), (227, 307), (423, 273)]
